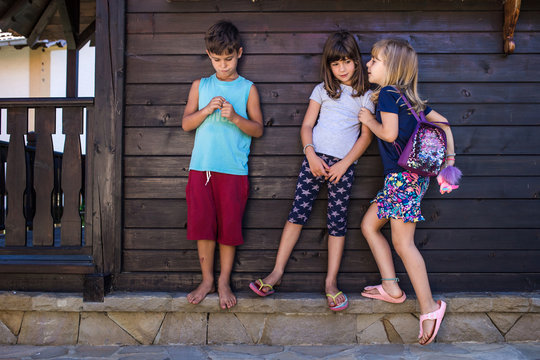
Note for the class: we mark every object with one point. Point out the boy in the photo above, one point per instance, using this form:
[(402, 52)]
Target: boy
[(225, 110)]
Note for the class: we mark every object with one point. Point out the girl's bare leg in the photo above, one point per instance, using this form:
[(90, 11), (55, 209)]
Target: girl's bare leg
[(289, 238), (403, 240), (335, 253), (206, 249), (371, 229)]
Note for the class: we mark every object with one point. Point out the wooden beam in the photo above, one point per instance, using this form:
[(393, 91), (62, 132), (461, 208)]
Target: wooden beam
[(86, 35), (70, 21), (42, 282), (43, 21), (9, 19), (4, 7), (52, 101), (511, 15)]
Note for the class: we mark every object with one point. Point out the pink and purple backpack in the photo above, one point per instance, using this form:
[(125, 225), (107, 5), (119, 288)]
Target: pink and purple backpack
[(425, 151)]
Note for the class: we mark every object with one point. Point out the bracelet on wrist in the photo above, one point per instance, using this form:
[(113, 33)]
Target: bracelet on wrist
[(450, 155), (306, 146)]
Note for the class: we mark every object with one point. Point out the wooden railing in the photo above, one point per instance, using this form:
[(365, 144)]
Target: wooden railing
[(29, 206), (42, 205)]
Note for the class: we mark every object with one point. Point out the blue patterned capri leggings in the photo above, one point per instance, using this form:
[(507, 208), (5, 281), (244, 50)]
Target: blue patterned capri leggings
[(307, 189)]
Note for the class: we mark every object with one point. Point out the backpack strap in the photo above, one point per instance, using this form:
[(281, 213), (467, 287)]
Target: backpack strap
[(422, 117)]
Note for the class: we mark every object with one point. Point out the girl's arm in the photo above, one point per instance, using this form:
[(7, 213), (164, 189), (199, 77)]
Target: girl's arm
[(387, 130), (440, 120), (316, 164), (338, 169), (252, 126)]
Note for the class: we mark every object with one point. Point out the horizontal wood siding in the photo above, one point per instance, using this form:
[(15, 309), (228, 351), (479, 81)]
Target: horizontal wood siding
[(484, 236)]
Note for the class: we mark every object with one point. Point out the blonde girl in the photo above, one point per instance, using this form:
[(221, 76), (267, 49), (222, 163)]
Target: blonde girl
[(333, 142), (394, 68)]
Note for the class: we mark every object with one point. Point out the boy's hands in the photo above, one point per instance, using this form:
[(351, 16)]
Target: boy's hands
[(214, 104), (219, 103), (227, 111)]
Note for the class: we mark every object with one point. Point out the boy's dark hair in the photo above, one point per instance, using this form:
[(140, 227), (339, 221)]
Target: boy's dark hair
[(222, 38)]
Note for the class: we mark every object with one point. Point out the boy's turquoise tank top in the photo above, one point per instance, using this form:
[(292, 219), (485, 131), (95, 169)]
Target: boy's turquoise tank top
[(219, 144)]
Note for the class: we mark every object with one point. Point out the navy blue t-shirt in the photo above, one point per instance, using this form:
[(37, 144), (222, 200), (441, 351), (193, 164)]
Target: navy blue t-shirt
[(391, 102)]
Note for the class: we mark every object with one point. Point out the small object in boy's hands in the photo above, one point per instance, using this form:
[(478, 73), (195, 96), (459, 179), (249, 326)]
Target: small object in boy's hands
[(448, 179)]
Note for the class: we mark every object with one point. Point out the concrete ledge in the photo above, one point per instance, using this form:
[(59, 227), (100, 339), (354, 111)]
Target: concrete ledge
[(281, 319)]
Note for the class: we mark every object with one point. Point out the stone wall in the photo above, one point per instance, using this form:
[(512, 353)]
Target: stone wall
[(282, 319)]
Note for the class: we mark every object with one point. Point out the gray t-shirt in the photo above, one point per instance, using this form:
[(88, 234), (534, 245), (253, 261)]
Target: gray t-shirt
[(337, 128)]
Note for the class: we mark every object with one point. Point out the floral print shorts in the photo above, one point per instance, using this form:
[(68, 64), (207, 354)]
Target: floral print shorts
[(401, 196)]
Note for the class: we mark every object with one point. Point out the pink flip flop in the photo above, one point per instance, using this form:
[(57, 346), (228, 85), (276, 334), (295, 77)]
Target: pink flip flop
[(258, 289), (436, 315), (383, 295)]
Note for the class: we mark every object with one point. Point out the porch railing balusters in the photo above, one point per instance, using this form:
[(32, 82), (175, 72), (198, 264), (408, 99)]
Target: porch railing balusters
[(17, 124), (44, 189), (71, 177), (3, 159), (43, 234)]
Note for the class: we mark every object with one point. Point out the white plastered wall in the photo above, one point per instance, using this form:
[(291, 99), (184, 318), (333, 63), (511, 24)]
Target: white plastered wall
[(15, 81)]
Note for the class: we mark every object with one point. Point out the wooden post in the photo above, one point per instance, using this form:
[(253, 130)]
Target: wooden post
[(69, 17), (104, 152), (72, 73)]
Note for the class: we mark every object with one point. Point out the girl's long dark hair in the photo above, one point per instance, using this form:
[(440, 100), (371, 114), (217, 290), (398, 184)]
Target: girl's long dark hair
[(339, 46)]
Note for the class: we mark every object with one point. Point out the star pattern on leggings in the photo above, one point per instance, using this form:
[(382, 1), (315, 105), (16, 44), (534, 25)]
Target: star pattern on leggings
[(308, 187)]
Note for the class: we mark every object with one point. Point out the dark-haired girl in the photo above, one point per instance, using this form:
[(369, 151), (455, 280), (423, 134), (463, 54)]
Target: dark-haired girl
[(333, 140)]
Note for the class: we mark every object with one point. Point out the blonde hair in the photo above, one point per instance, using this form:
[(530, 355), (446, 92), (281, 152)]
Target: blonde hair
[(401, 69), (339, 46)]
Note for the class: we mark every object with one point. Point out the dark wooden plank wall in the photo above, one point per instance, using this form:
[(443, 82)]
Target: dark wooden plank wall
[(485, 236)]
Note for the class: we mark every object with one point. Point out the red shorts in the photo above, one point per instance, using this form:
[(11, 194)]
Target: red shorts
[(216, 207)]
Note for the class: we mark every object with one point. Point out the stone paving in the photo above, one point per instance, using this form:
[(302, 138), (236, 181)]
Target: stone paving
[(464, 351)]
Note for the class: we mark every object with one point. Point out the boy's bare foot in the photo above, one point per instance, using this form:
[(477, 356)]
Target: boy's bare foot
[(226, 297), (204, 288), (333, 290), (272, 279)]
